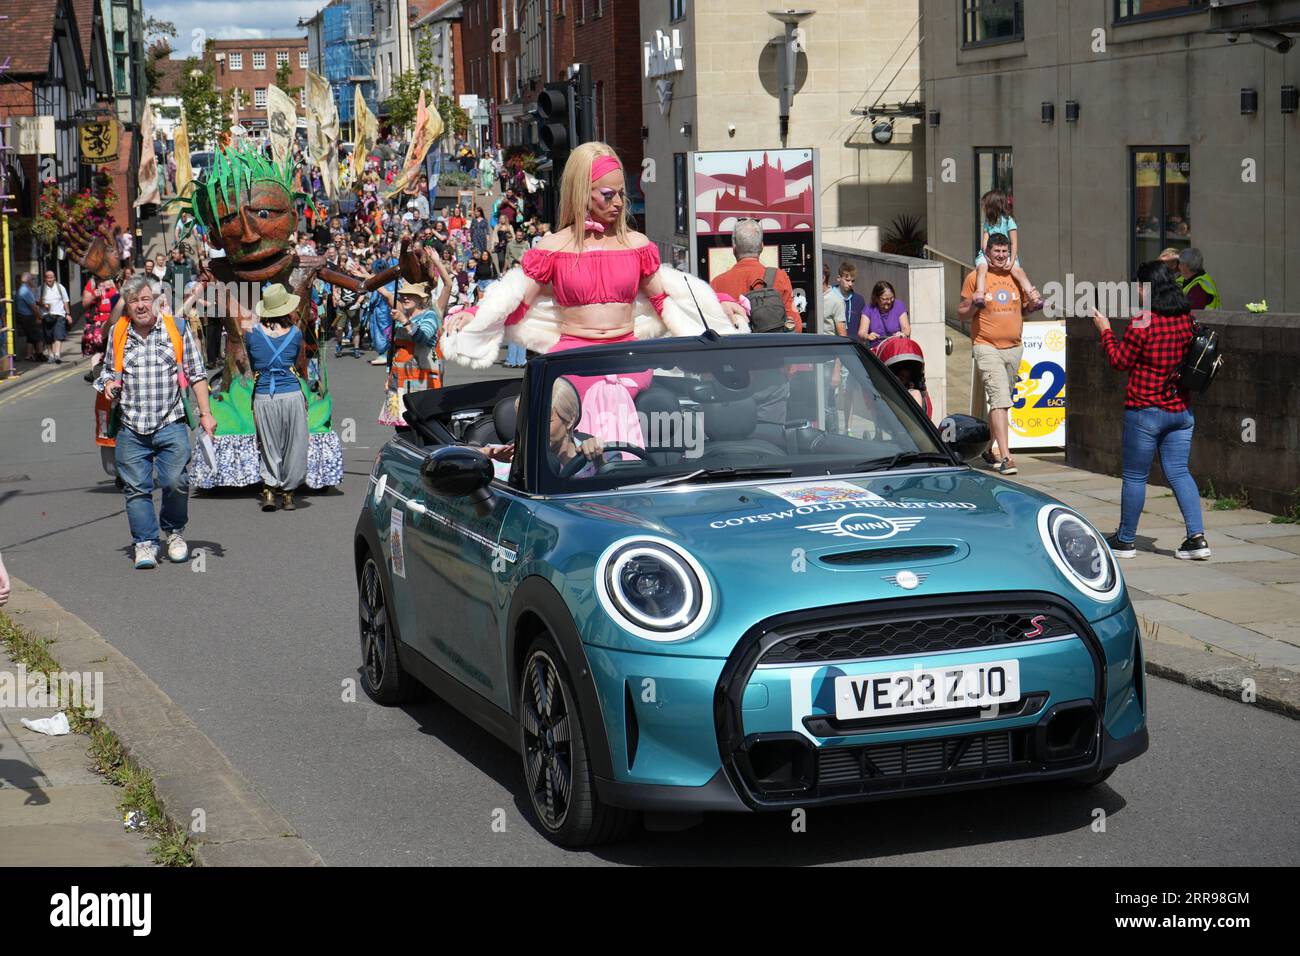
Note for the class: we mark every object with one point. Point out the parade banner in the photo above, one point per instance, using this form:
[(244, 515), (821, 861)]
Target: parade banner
[(428, 129), (776, 187), (184, 173), (281, 121), (148, 182), (323, 131), (367, 134), (99, 140), (1037, 416)]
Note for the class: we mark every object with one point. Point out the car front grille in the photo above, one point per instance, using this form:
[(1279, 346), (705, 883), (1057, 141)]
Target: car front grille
[(851, 640), (904, 762)]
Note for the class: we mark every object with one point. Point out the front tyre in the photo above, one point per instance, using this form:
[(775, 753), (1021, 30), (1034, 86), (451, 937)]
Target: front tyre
[(382, 676), (557, 773)]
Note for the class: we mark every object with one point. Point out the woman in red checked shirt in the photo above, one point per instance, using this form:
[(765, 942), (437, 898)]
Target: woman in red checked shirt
[(1157, 416)]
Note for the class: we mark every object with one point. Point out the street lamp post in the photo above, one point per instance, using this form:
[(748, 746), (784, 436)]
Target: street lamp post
[(788, 59)]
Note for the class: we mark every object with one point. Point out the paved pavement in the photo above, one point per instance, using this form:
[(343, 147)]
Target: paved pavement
[(54, 810), (259, 649)]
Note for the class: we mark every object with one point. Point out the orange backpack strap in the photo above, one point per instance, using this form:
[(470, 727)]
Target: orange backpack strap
[(119, 343)]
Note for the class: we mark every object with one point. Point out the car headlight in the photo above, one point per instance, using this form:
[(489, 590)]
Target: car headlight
[(1080, 552), (653, 589)]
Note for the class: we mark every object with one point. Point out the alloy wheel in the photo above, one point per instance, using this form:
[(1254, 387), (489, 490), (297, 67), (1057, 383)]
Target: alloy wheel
[(374, 624), (547, 738)]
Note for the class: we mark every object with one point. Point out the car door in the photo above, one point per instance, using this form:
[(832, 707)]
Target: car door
[(462, 555)]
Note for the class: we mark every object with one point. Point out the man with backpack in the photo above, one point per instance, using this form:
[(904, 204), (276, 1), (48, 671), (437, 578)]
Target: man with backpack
[(768, 289), (151, 361)]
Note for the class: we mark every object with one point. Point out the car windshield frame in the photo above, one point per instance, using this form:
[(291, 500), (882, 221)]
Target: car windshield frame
[(531, 470)]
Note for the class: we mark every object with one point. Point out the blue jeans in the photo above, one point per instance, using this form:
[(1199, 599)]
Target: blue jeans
[(1145, 431), (137, 456), (516, 354)]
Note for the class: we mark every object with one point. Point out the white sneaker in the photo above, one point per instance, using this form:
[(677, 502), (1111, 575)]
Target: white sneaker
[(146, 555), (177, 549)]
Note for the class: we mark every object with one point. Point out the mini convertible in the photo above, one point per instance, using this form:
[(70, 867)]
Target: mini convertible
[(778, 586)]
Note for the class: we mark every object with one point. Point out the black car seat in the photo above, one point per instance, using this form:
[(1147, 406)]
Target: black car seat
[(659, 401), (729, 429), (495, 429)]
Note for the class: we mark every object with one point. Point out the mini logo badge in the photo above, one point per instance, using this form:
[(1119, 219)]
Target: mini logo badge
[(1037, 621), (907, 580), (868, 527)]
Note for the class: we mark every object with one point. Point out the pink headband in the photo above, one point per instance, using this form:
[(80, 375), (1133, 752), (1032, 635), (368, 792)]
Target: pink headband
[(603, 165)]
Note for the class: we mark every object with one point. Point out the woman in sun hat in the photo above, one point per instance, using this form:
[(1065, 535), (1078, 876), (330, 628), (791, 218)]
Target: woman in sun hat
[(415, 363), (279, 403)]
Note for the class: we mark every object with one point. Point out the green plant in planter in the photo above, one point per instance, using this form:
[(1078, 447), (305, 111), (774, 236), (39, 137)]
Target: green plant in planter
[(905, 237)]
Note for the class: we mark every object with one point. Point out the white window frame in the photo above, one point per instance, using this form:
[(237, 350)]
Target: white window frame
[(236, 61), (259, 55), (259, 98), (304, 60), (281, 58)]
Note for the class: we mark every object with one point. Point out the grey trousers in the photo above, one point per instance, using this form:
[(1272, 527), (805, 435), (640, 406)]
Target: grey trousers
[(281, 421)]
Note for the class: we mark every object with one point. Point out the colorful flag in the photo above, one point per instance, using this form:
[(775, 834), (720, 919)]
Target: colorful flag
[(428, 128), (184, 173), (281, 121), (367, 134), (148, 189)]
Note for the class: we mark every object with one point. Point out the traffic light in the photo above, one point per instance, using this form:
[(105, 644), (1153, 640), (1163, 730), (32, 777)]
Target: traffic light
[(556, 122)]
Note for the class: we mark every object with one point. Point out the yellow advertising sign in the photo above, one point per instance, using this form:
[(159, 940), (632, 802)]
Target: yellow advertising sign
[(1037, 414), (99, 140)]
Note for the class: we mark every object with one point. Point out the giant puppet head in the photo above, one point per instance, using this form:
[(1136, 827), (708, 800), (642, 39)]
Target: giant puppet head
[(245, 206)]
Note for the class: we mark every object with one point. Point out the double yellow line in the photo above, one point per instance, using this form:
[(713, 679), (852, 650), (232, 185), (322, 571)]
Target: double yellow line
[(22, 390)]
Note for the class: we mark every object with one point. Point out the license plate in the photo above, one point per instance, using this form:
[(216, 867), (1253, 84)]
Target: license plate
[(916, 690)]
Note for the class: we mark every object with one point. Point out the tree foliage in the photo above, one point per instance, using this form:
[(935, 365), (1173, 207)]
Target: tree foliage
[(283, 74), (207, 112)]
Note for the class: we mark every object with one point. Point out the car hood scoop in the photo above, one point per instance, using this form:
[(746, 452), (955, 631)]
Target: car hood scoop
[(889, 555)]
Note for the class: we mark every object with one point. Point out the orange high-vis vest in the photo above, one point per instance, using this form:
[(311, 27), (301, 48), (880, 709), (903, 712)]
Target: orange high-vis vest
[(174, 333)]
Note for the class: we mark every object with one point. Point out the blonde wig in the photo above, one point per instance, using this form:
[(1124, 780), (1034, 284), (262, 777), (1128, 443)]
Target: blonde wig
[(575, 193)]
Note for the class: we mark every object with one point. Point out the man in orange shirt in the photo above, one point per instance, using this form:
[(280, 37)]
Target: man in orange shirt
[(995, 341), (741, 279)]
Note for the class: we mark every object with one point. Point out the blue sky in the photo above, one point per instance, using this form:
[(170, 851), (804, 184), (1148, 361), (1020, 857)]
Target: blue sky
[(229, 19)]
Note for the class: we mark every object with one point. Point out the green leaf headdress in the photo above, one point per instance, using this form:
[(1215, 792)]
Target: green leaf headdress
[(234, 171)]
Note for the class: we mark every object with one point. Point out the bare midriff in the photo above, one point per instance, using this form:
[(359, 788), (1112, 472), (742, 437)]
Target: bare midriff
[(600, 320)]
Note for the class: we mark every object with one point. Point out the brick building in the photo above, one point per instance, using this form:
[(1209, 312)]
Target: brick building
[(249, 67)]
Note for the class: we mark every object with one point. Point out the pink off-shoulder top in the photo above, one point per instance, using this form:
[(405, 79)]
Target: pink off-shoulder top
[(594, 276)]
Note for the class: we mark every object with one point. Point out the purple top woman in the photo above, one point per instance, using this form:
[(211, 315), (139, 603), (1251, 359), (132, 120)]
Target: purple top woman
[(884, 316)]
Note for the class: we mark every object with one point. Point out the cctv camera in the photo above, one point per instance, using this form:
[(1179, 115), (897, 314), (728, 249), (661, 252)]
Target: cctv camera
[(731, 129), (1277, 42), (1233, 37)]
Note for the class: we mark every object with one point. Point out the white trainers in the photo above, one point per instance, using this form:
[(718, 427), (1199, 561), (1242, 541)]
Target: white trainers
[(146, 555), (177, 549)]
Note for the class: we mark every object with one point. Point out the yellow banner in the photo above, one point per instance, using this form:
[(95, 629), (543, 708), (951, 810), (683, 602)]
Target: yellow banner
[(184, 173), (281, 121), (428, 128), (148, 183), (323, 131), (367, 127)]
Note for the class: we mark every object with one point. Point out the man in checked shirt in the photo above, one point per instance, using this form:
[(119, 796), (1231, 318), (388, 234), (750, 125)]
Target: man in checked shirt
[(154, 435)]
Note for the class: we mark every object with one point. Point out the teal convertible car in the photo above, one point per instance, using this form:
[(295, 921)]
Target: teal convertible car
[(766, 581)]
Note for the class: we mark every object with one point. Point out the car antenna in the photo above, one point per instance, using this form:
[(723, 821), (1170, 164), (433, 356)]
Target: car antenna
[(703, 321)]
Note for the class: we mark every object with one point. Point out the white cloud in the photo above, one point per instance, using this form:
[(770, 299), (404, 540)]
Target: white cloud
[(197, 20)]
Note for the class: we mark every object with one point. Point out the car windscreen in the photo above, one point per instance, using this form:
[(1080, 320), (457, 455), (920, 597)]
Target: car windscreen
[(700, 413)]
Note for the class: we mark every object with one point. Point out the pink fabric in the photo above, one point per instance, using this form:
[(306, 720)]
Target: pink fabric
[(593, 277), (639, 381), (658, 302), (518, 314), (603, 165), (608, 412), (592, 226)]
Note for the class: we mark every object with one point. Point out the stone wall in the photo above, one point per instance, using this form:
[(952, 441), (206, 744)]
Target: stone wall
[(1247, 424), (919, 283)]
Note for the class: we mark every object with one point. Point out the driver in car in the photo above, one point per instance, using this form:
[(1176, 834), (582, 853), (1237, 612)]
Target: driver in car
[(565, 442)]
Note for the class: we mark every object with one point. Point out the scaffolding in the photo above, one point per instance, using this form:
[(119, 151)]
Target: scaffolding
[(348, 34)]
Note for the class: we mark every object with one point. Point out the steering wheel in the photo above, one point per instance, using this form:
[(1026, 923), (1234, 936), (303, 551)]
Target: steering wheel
[(578, 461)]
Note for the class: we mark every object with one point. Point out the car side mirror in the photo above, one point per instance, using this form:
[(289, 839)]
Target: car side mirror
[(966, 436), (454, 471)]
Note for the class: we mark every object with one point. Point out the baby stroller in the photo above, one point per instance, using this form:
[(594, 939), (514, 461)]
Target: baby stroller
[(904, 358)]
